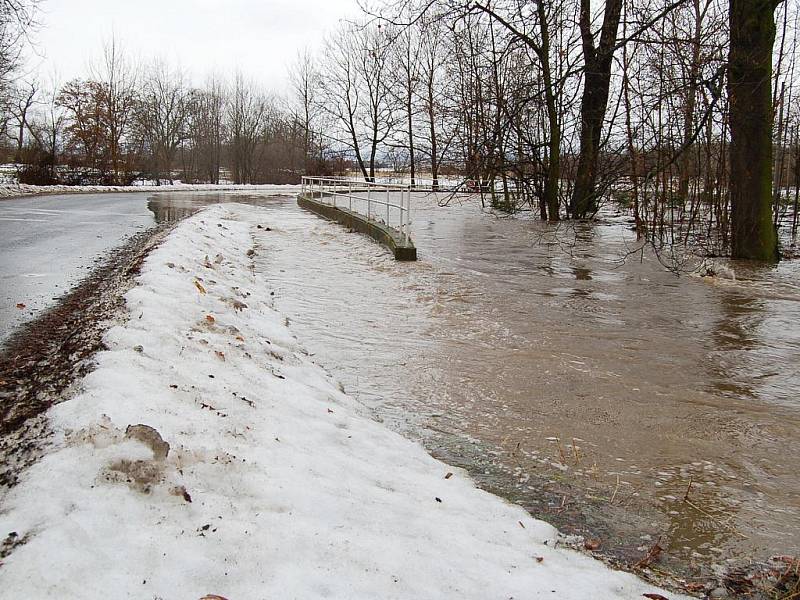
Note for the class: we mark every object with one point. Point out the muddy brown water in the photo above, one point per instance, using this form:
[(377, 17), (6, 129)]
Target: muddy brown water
[(610, 397)]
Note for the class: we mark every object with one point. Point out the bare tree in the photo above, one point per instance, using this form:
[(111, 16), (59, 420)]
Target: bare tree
[(538, 40), (438, 103), (47, 125), (119, 77), (207, 127), (86, 131), (20, 105), (247, 111), (162, 113), (355, 95), (17, 21), (404, 63), (304, 79), (597, 56)]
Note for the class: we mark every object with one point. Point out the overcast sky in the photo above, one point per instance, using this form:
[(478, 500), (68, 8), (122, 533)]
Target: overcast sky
[(260, 37)]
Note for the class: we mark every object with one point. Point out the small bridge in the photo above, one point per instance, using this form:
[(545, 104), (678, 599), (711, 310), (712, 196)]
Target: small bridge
[(380, 210)]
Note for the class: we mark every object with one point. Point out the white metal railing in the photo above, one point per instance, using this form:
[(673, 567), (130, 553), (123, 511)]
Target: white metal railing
[(367, 198)]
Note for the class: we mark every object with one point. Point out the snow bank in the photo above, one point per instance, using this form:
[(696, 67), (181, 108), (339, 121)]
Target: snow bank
[(274, 485), (19, 190)]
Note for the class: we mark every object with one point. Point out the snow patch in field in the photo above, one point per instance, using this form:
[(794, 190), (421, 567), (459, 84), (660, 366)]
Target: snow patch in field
[(20, 190), (275, 484)]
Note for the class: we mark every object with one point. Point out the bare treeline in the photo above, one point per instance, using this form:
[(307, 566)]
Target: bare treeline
[(684, 112), (564, 106), (127, 121)]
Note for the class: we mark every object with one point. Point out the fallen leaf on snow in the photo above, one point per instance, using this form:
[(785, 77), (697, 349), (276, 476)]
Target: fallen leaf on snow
[(655, 596), (220, 355), (448, 476), (213, 597), (20, 305), (181, 491), (199, 287), (210, 319)]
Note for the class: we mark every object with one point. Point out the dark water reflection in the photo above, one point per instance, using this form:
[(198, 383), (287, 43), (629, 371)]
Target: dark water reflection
[(168, 207), (590, 390)]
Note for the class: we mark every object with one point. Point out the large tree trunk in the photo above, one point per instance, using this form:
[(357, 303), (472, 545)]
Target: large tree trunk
[(553, 181), (752, 27), (596, 83)]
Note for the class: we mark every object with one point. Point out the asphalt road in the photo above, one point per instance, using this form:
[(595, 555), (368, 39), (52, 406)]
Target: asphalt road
[(48, 243)]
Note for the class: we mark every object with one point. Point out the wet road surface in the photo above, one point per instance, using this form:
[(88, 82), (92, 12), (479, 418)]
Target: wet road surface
[(48, 244)]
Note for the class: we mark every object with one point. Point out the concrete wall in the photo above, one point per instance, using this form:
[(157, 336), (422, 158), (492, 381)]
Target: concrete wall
[(403, 250)]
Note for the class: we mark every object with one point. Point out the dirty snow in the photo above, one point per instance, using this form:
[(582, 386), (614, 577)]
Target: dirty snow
[(274, 484)]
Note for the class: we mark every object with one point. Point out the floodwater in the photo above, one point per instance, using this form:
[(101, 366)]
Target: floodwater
[(609, 397)]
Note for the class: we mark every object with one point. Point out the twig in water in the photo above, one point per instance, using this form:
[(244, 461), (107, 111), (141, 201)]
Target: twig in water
[(652, 555), (688, 489), (616, 489)]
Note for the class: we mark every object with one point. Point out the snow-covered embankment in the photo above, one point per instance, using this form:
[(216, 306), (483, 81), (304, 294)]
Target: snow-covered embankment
[(274, 484)]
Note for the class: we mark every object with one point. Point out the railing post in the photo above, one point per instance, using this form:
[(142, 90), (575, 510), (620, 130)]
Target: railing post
[(369, 201), (402, 199), (405, 221), (350, 195), (388, 200), (408, 213), (407, 198)]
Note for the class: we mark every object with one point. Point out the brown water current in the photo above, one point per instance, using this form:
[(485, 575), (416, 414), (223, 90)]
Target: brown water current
[(612, 398)]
